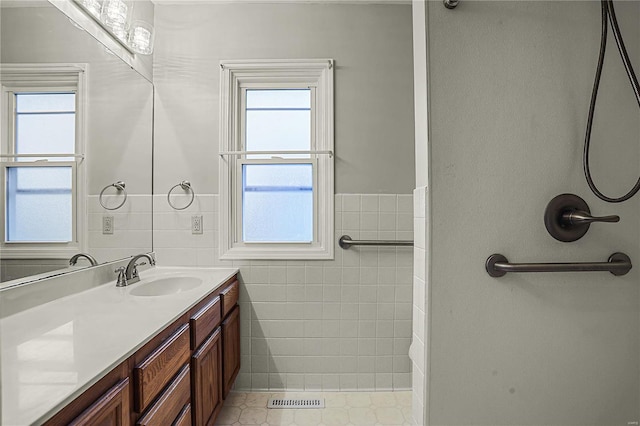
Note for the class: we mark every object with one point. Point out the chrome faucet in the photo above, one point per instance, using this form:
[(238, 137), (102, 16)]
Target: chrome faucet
[(131, 271), (90, 258)]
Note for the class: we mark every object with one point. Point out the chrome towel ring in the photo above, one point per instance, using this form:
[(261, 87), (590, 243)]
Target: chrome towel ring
[(119, 186), (186, 186)]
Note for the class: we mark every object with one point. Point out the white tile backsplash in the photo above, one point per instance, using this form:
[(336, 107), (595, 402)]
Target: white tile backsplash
[(343, 324)]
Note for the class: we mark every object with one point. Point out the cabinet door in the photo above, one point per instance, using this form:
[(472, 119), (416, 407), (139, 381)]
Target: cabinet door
[(230, 349), (111, 409), (206, 365)]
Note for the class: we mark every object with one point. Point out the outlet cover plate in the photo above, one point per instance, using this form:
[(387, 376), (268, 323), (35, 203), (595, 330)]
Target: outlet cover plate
[(196, 224), (107, 225)]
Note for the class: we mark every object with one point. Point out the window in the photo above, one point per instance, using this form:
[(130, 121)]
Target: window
[(276, 166), (41, 174)]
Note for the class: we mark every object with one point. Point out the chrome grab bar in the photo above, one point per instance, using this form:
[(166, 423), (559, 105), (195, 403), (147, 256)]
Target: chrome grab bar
[(618, 264), (345, 242)]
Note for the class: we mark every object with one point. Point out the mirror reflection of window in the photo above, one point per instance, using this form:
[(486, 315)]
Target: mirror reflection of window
[(39, 198), (42, 164)]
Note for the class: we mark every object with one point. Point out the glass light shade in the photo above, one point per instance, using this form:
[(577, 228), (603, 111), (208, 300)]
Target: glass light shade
[(141, 37), (116, 15)]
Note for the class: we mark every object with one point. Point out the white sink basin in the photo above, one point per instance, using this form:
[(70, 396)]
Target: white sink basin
[(166, 286)]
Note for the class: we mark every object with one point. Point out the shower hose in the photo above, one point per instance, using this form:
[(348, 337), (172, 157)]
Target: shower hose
[(608, 12)]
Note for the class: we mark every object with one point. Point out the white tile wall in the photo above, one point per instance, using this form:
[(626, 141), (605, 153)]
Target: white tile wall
[(132, 227), (420, 275), (343, 324)]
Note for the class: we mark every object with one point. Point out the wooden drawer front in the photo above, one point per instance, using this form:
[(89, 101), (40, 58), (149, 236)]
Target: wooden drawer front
[(153, 374), (229, 298), (204, 322), (230, 350), (184, 418), (110, 409), (167, 409)]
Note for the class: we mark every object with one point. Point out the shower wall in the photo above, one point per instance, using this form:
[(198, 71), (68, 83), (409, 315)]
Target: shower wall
[(508, 92), (343, 324)]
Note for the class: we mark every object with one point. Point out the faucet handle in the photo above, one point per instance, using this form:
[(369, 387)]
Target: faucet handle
[(134, 271), (122, 277)]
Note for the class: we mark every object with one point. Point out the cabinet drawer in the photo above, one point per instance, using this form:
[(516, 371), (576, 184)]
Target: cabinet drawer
[(167, 409), (229, 297), (110, 409), (184, 418), (153, 374), (204, 322)]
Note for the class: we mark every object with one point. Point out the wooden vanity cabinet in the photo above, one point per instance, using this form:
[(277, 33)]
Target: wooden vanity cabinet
[(180, 377), (214, 365)]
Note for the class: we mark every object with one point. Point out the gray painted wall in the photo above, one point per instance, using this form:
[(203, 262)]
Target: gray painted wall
[(509, 86), (373, 84)]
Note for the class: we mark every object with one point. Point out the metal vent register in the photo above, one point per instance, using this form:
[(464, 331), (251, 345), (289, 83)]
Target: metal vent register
[(295, 403)]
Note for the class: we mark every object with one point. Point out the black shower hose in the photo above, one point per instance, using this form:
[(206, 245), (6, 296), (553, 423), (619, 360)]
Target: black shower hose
[(608, 12)]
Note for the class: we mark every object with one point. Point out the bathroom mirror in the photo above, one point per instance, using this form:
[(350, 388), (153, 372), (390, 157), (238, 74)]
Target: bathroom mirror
[(117, 128)]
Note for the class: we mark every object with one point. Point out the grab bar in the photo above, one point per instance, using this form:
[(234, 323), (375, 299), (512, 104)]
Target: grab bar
[(345, 242), (618, 264)]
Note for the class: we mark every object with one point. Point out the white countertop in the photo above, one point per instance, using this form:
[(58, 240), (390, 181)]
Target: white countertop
[(51, 353)]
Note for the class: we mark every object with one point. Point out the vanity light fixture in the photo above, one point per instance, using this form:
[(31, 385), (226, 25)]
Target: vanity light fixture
[(141, 37), (94, 7), (115, 17)]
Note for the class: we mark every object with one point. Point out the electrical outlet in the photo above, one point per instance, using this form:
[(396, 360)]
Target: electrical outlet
[(196, 224), (107, 224)]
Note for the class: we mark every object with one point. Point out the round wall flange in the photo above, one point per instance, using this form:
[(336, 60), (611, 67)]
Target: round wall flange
[(490, 265), (559, 228)]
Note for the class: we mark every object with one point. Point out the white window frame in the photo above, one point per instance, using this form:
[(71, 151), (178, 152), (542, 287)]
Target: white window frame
[(55, 78), (236, 77)]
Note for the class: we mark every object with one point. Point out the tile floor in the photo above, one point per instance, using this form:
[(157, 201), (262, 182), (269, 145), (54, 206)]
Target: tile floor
[(341, 408)]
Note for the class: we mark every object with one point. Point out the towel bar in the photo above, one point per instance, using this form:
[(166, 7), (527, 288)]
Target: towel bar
[(345, 242)]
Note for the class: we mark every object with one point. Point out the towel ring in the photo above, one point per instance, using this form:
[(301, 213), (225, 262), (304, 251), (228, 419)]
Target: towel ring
[(119, 186), (186, 186)]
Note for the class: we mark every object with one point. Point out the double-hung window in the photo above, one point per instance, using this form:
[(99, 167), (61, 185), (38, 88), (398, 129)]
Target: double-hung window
[(41, 173), (276, 165)]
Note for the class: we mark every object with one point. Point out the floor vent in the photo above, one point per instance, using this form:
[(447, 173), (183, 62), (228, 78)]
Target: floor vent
[(296, 403)]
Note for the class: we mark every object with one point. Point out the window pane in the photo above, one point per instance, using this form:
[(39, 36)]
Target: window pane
[(278, 120), (45, 102), (278, 131), (45, 133), (287, 98), (39, 204), (277, 202)]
